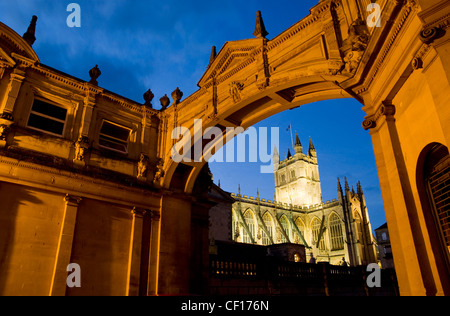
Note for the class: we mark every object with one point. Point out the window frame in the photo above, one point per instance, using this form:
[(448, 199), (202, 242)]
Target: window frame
[(49, 102), (126, 152), (336, 233)]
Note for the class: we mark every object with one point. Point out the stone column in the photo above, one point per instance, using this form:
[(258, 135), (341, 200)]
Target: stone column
[(408, 245), (134, 262), (153, 256), (64, 250)]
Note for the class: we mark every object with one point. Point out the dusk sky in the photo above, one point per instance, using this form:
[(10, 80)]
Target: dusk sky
[(162, 45)]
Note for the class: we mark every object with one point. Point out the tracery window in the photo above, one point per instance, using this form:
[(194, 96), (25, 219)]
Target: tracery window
[(336, 236), (315, 228), (267, 219), (285, 224), (250, 221)]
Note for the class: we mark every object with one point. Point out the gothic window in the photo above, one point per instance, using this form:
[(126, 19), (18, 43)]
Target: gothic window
[(114, 137), (47, 118), (285, 225), (437, 181), (336, 236), (301, 228), (315, 228), (283, 179), (267, 219), (250, 221), (293, 174)]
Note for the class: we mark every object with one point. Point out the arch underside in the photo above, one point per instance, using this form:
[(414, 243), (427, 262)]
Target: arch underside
[(248, 112)]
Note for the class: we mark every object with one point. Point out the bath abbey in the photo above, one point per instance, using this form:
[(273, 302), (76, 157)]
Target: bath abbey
[(87, 177), (338, 231)]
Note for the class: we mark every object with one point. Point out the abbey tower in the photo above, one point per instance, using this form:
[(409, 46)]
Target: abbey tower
[(297, 180)]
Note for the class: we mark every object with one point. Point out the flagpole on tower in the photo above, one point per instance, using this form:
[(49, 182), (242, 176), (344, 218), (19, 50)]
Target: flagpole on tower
[(292, 137)]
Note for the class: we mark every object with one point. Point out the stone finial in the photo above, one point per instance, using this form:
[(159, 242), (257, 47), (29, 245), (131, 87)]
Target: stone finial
[(260, 29), (148, 97), (165, 101), (177, 95), (94, 73), (29, 36), (213, 55), (297, 140)]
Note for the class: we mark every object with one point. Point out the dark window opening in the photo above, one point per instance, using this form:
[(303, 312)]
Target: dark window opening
[(114, 137), (47, 117), (437, 178)]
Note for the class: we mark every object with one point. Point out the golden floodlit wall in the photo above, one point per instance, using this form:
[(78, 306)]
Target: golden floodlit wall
[(100, 188)]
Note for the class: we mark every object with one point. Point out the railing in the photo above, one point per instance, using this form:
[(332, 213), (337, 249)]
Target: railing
[(271, 277)]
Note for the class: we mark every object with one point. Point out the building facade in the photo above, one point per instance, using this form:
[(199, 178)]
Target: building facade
[(86, 176), (337, 231), (384, 247)]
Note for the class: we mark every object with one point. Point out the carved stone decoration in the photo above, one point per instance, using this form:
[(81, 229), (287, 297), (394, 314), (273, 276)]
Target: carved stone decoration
[(386, 109), (417, 63), (148, 97), (7, 116), (142, 167), (429, 35), (235, 91), (165, 101), (369, 124), (160, 173), (177, 95), (94, 73), (81, 146), (352, 60), (4, 130), (354, 46)]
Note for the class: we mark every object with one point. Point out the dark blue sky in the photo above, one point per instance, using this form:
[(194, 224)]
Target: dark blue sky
[(162, 45)]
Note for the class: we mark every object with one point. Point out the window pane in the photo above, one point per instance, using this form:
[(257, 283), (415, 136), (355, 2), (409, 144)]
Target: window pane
[(115, 131), (46, 124), (49, 110), (114, 137)]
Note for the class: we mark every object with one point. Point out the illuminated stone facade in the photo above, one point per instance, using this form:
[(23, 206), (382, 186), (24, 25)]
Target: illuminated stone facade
[(93, 183), (338, 231)]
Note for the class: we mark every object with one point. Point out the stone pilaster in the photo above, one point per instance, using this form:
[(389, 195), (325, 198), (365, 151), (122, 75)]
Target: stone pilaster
[(64, 251)]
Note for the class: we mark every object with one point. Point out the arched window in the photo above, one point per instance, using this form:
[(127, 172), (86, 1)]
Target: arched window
[(301, 228), (250, 221), (336, 236), (437, 182), (267, 219), (315, 228), (285, 224)]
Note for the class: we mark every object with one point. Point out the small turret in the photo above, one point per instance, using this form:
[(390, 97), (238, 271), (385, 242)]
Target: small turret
[(340, 192), (276, 159), (298, 146), (312, 150), (289, 155)]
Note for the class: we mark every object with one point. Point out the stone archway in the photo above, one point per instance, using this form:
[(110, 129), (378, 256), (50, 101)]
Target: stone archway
[(331, 54)]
